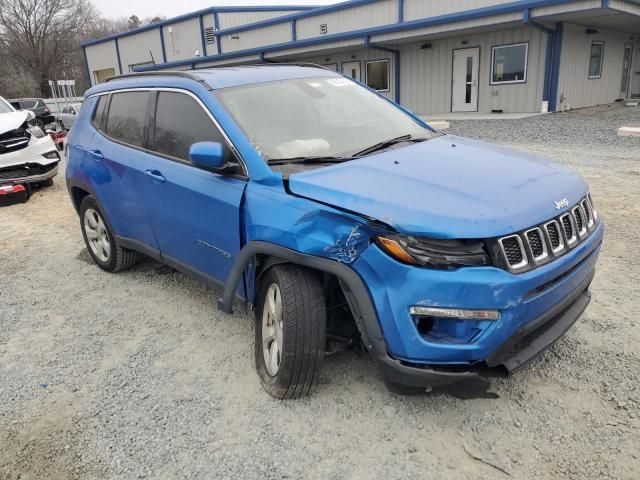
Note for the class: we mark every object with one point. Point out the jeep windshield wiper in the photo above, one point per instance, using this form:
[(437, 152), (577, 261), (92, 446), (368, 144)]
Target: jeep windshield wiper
[(317, 159), (388, 143)]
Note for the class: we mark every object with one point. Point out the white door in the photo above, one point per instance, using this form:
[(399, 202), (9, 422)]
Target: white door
[(465, 80), (351, 69)]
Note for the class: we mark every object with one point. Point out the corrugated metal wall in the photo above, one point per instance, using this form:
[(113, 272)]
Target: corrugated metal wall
[(101, 56), (576, 89), (183, 40), (135, 48), (370, 15), (278, 33), (425, 74), (233, 19), (414, 9)]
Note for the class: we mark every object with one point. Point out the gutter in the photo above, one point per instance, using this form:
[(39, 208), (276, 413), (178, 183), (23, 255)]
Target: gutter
[(396, 61), (548, 94)]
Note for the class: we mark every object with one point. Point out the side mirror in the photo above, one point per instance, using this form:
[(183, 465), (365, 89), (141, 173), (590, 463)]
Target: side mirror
[(207, 155)]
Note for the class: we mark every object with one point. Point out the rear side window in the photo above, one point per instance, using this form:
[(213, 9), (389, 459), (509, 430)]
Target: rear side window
[(127, 117), (97, 113), (181, 122)]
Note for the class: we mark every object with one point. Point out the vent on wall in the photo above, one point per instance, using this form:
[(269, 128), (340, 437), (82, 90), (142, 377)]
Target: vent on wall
[(209, 36)]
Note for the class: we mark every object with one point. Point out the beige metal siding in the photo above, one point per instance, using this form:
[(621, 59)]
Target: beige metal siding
[(207, 21), (243, 40), (233, 19), (101, 56), (183, 40), (566, 8), (415, 9), (135, 49), (576, 89), (425, 75), (366, 16)]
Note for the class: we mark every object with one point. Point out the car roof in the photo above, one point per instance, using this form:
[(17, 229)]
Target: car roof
[(215, 78)]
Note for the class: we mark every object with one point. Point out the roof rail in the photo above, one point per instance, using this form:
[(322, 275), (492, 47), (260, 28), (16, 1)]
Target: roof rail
[(161, 73)]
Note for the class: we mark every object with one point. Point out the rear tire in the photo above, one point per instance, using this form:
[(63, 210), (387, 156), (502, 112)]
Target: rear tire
[(99, 239), (290, 330)]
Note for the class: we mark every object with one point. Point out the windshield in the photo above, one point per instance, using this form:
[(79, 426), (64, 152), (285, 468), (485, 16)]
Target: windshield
[(4, 106), (316, 117)]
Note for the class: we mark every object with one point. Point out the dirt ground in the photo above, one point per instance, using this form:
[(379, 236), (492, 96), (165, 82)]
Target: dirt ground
[(137, 375)]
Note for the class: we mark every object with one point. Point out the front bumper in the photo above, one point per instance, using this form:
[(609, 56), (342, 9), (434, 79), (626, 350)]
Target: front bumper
[(536, 307), (29, 165)]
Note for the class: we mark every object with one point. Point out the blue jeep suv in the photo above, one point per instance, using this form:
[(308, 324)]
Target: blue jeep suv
[(322, 205)]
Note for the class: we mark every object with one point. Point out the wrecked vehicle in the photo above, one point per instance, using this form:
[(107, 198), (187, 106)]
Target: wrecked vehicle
[(27, 154), (322, 204)]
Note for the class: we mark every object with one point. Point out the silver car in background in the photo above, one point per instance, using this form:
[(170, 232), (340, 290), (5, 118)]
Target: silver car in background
[(68, 114)]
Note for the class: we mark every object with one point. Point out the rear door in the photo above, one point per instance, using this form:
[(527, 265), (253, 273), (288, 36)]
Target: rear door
[(195, 213), (117, 164)]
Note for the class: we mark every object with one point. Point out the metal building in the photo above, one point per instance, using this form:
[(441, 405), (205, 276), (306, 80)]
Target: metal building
[(433, 56)]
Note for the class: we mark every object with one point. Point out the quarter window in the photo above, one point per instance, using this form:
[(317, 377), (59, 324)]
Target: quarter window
[(127, 117), (509, 64), (181, 122), (99, 111), (378, 75), (595, 60)]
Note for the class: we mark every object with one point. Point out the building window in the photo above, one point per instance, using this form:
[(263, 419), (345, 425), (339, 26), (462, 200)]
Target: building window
[(377, 74), (595, 61), (100, 76), (509, 63)]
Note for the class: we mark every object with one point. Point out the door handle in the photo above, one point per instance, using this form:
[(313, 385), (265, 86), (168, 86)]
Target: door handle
[(155, 175), (96, 154)]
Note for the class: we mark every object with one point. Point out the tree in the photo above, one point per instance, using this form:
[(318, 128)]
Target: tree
[(42, 37), (134, 22)]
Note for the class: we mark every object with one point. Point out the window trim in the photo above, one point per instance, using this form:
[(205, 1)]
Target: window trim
[(595, 77), (526, 64), (366, 74), (230, 144)]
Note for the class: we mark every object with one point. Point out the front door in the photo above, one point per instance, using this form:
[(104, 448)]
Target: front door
[(195, 213), (351, 69), (465, 80), (626, 70)]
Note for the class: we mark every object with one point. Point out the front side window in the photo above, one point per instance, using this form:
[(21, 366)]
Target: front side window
[(509, 64), (378, 75), (595, 60), (127, 117), (320, 116), (181, 122)]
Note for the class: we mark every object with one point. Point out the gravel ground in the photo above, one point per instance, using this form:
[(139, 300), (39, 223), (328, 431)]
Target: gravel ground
[(137, 375)]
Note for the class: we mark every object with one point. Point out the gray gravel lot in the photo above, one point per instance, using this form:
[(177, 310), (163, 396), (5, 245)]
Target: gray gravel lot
[(137, 375)]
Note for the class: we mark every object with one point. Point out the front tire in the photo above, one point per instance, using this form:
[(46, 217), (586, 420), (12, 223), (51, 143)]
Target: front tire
[(290, 330), (99, 239)]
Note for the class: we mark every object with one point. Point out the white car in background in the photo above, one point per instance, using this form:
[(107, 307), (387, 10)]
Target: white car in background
[(27, 154), (67, 117)]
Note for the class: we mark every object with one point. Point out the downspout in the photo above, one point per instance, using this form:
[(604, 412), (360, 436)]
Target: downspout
[(396, 61), (120, 72), (546, 90)]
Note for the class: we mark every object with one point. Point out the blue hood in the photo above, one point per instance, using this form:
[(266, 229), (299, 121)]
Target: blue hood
[(448, 187)]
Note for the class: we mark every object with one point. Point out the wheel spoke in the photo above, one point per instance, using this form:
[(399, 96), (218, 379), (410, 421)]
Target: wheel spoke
[(274, 357), (91, 234)]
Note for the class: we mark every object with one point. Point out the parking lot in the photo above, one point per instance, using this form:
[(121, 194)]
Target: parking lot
[(137, 375)]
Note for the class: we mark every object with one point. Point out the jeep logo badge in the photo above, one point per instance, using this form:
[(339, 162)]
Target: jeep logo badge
[(561, 203)]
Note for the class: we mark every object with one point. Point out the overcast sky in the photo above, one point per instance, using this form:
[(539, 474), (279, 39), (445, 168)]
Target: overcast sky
[(171, 8)]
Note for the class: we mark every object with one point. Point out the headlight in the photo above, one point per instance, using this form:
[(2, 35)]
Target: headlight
[(36, 132), (435, 253)]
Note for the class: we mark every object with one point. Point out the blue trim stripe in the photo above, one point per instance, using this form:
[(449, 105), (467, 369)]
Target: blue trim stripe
[(400, 11), (202, 39), (189, 16), (86, 66), (118, 56), (164, 51), (555, 76), (294, 33), (548, 63), (354, 34), (216, 28)]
